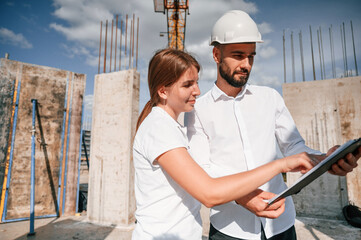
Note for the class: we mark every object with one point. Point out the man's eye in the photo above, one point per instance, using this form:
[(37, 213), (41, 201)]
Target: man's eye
[(239, 56)]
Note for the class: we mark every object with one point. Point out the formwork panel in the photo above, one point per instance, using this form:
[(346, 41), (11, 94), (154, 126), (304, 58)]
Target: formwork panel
[(326, 114), (49, 86), (7, 85), (74, 143)]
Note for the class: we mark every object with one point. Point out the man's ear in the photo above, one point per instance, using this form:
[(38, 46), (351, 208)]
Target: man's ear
[(216, 55), (162, 92)]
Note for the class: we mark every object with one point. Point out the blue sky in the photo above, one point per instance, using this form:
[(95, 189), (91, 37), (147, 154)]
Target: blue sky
[(65, 34)]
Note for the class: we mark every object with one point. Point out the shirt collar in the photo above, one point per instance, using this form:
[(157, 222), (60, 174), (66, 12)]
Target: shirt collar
[(218, 93), (170, 119)]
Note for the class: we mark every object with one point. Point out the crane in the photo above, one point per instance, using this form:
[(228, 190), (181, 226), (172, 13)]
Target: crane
[(176, 20)]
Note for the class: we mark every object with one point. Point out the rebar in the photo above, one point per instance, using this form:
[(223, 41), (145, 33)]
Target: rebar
[(323, 56), (319, 52), (111, 47), (332, 53), (284, 56), (136, 56), (354, 50), (343, 53), (115, 44), (313, 60), (344, 39), (125, 48), (301, 51), (105, 45), (120, 45), (100, 45), (293, 59), (133, 41), (130, 44)]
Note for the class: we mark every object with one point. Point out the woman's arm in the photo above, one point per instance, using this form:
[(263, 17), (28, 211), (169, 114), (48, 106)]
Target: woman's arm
[(214, 191)]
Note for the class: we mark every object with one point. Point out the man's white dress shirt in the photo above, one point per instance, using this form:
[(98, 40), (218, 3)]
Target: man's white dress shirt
[(228, 135)]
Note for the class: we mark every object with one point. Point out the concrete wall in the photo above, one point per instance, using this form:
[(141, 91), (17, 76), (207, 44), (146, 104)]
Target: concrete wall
[(54, 89), (327, 113), (111, 198)]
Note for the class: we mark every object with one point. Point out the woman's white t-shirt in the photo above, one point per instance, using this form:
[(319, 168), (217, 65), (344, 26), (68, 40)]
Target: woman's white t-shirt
[(164, 209)]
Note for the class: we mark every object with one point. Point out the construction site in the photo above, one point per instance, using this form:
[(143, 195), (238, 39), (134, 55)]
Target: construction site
[(63, 177)]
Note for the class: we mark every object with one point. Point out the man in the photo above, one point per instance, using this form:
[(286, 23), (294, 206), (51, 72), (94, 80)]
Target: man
[(236, 127)]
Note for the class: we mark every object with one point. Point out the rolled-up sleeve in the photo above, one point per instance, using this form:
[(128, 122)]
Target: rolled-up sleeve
[(289, 139)]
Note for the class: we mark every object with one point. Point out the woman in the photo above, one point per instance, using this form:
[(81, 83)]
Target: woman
[(169, 184)]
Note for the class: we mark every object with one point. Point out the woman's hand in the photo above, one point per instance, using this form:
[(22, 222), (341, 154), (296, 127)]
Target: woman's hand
[(296, 163)]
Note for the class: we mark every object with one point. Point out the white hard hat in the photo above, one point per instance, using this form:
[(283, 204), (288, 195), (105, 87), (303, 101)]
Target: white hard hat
[(235, 27)]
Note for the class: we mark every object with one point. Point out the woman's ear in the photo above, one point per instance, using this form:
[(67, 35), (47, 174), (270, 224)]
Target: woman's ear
[(162, 92)]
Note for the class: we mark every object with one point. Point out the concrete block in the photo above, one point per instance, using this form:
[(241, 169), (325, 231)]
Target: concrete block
[(327, 113), (111, 198)]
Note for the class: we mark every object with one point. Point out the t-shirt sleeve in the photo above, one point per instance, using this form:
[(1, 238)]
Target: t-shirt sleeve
[(161, 138)]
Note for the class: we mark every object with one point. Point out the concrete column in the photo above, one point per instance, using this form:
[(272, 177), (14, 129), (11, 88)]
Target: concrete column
[(111, 198), (327, 113)]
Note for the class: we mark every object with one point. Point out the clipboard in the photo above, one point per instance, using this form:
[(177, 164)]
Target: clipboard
[(319, 169)]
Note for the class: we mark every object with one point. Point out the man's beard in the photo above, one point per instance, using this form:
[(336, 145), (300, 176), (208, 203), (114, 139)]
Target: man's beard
[(226, 74)]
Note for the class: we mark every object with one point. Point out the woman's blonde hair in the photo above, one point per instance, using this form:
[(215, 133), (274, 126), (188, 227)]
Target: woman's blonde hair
[(165, 68)]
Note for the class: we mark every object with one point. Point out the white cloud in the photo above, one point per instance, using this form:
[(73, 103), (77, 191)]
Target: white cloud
[(9, 37), (267, 52), (264, 28)]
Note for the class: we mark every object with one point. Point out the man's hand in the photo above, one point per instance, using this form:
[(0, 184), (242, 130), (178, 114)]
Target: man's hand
[(346, 165), (255, 203), (343, 166)]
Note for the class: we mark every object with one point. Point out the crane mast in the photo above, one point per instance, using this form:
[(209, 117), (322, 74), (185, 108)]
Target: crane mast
[(177, 11)]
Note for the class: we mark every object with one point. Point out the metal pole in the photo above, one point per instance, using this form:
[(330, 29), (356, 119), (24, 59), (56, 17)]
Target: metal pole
[(284, 57), (115, 45), (332, 53), (105, 46), (354, 50), (100, 45), (32, 176), (313, 60), (111, 47), (344, 39), (293, 59), (319, 52), (302, 62)]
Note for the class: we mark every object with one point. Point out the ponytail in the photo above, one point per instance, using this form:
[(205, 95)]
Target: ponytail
[(146, 110)]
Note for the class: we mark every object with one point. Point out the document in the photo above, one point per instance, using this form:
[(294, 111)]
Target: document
[(319, 169)]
